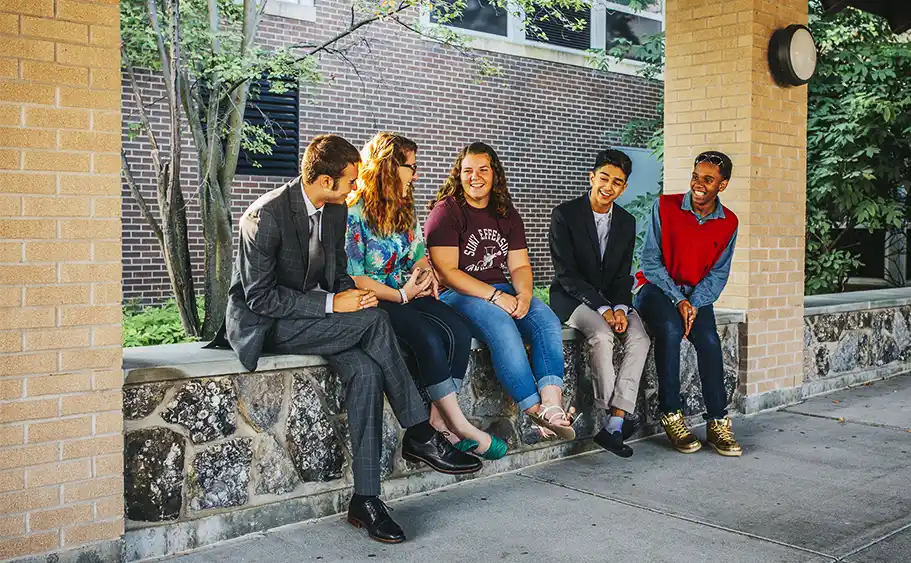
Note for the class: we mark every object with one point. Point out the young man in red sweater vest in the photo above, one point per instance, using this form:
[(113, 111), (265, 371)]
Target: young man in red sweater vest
[(685, 263)]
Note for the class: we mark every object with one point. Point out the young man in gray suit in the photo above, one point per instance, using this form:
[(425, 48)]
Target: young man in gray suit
[(291, 294)]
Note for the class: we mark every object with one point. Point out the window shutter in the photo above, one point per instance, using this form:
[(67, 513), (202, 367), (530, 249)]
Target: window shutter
[(280, 115)]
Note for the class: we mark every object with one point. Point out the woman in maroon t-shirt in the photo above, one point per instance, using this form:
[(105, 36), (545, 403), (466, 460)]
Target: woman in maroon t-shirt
[(475, 237)]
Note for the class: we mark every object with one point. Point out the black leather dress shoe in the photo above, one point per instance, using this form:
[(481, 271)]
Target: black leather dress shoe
[(440, 455), (613, 442), (373, 514), (630, 427)]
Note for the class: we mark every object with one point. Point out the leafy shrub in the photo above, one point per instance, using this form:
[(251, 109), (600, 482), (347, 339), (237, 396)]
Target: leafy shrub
[(542, 292), (858, 140), (641, 209), (153, 325)]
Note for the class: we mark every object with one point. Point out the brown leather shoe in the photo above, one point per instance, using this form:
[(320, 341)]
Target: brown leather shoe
[(680, 436)]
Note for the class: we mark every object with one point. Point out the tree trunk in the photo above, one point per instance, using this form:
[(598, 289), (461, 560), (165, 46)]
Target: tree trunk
[(219, 245), (170, 199), (175, 246)]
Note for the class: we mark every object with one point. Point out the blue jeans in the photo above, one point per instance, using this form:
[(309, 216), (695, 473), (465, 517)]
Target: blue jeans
[(506, 337), (666, 327)]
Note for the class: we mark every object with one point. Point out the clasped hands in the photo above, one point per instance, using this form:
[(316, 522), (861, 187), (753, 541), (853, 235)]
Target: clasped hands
[(617, 320), (515, 305), (421, 283), (688, 314)]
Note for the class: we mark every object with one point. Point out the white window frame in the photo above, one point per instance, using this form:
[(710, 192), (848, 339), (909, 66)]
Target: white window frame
[(517, 44), (303, 10)]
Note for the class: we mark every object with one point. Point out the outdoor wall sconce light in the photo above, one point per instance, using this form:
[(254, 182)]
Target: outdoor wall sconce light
[(792, 55)]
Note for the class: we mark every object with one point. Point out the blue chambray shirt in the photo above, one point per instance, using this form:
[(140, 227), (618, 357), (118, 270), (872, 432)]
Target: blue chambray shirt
[(706, 291)]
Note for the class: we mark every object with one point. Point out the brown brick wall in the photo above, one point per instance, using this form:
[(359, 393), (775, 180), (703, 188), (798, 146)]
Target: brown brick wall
[(546, 120), (60, 355)]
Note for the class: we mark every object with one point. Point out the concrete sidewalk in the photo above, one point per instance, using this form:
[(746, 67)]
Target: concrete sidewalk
[(823, 481)]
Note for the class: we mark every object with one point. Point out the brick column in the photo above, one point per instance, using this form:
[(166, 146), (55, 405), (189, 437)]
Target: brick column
[(720, 95), (61, 468)]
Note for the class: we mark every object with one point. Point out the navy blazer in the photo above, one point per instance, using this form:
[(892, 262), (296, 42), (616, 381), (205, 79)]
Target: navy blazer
[(581, 274)]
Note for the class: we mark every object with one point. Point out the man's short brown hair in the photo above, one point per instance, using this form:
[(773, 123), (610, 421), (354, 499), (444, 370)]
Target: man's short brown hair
[(327, 154)]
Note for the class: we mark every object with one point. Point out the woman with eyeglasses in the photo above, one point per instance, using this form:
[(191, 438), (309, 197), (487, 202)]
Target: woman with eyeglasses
[(386, 254), (476, 237)]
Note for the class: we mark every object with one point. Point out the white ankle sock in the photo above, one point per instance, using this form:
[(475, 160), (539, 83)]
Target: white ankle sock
[(613, 424)]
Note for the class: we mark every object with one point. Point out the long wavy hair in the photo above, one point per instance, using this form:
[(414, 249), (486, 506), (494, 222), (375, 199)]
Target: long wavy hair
[(499, 193), (380, 187)]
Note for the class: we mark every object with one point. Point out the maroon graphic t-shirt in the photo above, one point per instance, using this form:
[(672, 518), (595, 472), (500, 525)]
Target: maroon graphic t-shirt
[(483, 240)]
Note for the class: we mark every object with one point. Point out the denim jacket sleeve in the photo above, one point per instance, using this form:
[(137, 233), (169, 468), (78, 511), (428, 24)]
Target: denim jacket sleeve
[(652, 260), (709, 288)]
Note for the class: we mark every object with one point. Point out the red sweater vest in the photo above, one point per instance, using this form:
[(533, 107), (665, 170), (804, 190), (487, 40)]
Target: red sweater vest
[(689, 249)]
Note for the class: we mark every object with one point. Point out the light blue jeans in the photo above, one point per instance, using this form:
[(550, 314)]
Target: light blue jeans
[(506, 337)]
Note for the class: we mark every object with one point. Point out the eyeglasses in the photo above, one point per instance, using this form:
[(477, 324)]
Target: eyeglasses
[(711, 158), (414, 167)]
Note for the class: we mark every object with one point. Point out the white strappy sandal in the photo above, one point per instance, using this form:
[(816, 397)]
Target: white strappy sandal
[(546, 426)]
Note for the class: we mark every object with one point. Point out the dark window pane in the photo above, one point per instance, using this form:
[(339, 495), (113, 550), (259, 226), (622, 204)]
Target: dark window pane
[(279, 115), (558, 33), (631, 27), (870, 248), (479, 15)]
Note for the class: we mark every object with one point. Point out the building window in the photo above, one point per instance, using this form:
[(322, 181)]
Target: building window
[(478, 15), (292, 9), (554, 30), (279, 115), (631, 27), (601, 28)]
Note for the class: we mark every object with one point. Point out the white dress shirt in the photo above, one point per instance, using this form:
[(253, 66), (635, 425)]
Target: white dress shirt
[(603, 224), (311, 209)]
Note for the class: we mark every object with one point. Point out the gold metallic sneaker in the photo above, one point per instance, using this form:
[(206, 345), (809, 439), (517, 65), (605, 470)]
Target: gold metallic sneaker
[(720, 435), (680, 436)]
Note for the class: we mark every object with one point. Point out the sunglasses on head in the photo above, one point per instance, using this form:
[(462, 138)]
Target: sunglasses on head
[(710, 158)]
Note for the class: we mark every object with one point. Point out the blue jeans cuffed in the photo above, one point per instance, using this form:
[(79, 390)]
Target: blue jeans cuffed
[(506, 337)]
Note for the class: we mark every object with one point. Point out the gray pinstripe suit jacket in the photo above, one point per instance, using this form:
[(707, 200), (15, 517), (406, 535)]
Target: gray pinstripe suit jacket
[(271, 266)]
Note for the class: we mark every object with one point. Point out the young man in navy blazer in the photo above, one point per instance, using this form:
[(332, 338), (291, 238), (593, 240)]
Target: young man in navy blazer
[(591, 243)]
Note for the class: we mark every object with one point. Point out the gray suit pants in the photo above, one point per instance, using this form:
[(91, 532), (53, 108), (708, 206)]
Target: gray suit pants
[(362, 348), (613, 389)]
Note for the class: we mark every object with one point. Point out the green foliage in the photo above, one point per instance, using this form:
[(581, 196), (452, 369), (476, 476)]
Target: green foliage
[(641, 209), (215, 71), (638, 131), (150, 326), (858, 141), (542, 292)]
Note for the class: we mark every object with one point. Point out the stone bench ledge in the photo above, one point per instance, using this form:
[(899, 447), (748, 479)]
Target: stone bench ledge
[(170, 362), (857, 301)]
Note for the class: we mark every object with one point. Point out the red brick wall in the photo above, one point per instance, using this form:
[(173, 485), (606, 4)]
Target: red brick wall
[(546, 121)]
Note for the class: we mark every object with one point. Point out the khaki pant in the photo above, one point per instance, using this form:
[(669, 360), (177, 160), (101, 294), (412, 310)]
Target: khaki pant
[(612, 389)]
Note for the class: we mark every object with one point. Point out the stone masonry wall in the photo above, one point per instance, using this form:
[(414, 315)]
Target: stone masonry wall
[(854, 347), (205, 449), (545, 119)]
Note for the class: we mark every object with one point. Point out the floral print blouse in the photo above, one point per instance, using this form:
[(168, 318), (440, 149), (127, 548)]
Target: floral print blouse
[(386, 259)]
